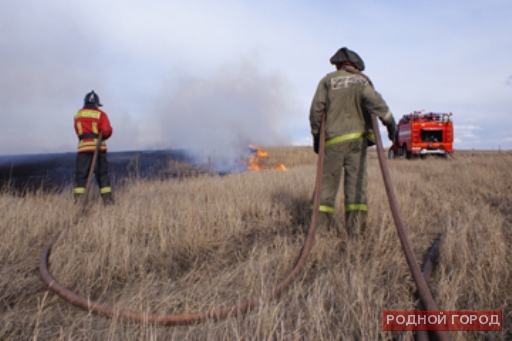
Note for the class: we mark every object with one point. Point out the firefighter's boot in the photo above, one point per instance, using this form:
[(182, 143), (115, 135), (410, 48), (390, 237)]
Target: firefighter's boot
[(108, 199), (355, 222)]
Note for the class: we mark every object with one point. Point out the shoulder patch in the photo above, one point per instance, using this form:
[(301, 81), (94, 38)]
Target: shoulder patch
[(346, 81)]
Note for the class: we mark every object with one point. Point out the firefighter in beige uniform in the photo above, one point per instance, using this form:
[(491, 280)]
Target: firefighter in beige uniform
[(347, 98)]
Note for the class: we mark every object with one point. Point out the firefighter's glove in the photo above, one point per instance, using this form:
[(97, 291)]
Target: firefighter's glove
[(316, 143), (392, 131)]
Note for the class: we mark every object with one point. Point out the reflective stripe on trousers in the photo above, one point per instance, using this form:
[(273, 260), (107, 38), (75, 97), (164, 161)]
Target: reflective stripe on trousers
[(356, 207), (323, 208), (350, 207), (79, 190), (105, 190)]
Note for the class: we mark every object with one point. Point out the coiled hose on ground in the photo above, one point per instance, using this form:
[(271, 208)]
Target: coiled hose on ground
[(220, 313), (174, 319)]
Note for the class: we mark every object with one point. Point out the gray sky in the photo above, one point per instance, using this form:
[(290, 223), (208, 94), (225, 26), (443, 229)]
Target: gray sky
[(219, 75)]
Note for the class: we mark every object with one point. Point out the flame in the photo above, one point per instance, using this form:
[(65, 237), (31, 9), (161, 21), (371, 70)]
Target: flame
[(280, 166), (257, 154)]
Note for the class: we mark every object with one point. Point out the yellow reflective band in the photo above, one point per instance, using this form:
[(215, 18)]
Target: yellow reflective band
[(91, 144), (95, 127), (356, 207), (105, 190), (79, 128), (88, 113), (342, 138), (79, 190), (326, 209)]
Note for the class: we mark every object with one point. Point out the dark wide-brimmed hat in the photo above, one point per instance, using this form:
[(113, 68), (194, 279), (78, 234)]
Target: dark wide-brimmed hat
[(346, 55)]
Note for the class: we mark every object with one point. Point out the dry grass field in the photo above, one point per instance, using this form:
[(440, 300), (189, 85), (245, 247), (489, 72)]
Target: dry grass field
[(193, 243)]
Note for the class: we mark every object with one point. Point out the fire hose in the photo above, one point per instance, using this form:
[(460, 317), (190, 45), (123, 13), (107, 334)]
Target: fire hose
[(425, 297), (220, 313), (428, 267), (175, 319), (423, 292), (85, 198)]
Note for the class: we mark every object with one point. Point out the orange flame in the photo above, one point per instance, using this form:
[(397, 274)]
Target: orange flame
[(253, 162)]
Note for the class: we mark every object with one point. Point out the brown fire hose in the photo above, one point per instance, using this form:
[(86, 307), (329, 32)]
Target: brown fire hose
[(422, 287), (85, 198), (428, 267), (423, 292), (216, 314), (174, 319), (43, 263)]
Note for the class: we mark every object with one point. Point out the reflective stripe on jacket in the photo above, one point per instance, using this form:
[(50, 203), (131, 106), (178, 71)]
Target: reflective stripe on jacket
[(348, 137)]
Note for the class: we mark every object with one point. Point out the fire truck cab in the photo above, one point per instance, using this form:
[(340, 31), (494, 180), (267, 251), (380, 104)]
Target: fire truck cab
[(422, 133)]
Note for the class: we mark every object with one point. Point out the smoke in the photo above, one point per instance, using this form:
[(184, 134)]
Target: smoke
[(42, 77), (216, 117), (54, 54), (509, 80)]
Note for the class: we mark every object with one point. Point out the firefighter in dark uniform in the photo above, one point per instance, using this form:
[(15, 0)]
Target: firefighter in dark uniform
[(347, 97), (89, 122)]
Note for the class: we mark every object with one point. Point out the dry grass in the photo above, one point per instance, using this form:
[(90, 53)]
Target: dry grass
[(205, 241)]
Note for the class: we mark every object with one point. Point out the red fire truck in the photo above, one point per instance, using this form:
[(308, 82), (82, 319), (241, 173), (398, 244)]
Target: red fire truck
[(422, 133)]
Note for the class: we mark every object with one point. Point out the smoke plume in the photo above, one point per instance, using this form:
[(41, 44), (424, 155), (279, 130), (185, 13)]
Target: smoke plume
[(218, 116)]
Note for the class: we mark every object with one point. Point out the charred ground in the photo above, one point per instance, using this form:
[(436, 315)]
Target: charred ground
[(55, 171)]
